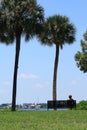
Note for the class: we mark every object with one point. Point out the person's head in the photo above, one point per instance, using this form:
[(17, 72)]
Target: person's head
[(70, 96)]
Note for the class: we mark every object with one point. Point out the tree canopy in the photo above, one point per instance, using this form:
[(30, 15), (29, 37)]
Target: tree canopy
[(81, 56), (19, 16), (57, 30)]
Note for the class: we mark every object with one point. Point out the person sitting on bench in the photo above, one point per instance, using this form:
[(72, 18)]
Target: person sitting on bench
[(70, 97)]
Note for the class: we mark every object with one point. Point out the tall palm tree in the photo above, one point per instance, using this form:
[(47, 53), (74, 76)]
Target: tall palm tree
[(19, 17), (57, 30)]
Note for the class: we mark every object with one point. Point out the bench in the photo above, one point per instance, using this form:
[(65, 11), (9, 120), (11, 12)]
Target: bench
[(61, 104)]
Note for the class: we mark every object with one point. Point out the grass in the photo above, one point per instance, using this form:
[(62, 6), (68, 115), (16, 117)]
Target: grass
[(44, 120)]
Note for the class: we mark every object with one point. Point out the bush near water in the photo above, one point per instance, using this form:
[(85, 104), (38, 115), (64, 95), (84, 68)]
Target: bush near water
[(82, 105)]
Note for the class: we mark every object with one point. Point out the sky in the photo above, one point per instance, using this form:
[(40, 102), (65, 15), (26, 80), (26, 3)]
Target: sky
[(36, 62)]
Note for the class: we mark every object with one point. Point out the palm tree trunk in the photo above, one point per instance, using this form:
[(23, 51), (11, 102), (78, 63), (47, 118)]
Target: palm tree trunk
[(55, 76), (18, 38)]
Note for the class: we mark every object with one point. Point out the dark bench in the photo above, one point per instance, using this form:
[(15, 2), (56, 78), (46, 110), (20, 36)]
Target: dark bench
[(61, 104)]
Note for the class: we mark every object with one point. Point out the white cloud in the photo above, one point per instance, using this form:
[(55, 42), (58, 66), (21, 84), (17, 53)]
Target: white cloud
[(27, 76)]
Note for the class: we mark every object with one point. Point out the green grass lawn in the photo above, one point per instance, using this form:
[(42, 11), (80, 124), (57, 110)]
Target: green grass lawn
[(44, 120)]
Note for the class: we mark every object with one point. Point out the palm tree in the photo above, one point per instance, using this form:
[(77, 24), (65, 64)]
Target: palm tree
[(19, 17), (57, 30)]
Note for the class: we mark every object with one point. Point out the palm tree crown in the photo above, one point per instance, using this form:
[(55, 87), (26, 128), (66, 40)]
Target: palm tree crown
[(57, 30), (20, 17)]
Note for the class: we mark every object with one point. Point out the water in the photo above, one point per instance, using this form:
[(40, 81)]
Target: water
[(32, 109), (40, 109)]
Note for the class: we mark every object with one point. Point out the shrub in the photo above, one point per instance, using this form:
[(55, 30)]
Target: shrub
[(82, 105)]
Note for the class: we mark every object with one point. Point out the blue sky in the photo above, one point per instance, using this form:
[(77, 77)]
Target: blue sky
[(37, 61)]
